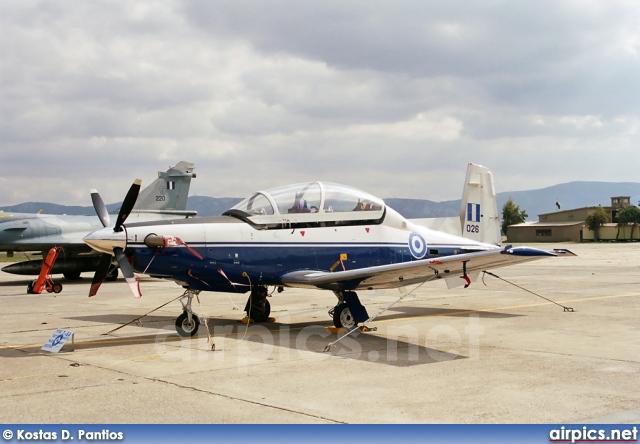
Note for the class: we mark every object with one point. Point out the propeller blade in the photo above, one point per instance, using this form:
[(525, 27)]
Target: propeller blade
[(127, 271), (127, 204), (101, 273), (100, 207)]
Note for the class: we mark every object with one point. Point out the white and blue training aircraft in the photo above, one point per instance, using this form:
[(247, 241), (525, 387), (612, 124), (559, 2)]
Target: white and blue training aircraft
[(313, 235)]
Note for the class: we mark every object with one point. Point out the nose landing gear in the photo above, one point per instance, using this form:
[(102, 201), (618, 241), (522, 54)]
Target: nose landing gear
[(258, 310), (187, 323)]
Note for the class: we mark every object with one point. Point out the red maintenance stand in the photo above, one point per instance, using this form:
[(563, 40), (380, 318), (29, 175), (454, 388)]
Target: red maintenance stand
[(44, 280)]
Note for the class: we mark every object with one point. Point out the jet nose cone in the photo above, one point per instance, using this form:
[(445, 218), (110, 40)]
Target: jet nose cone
[(105, 240)]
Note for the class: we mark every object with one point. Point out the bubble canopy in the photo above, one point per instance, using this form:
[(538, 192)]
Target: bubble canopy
[(312, 201)]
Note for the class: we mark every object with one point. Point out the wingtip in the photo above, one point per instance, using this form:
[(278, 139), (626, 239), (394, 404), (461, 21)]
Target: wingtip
[(563, 252), (526, 251)]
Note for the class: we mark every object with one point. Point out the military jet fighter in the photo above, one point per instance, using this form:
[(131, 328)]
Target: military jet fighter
[(312, 235), (164, 198)]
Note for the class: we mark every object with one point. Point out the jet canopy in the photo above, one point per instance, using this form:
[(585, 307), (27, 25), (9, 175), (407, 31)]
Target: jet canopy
[(310, 202)]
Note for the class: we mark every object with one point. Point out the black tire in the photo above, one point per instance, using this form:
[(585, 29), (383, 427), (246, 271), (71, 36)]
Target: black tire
[(184, 328), (112, 274), (57, 287), (342, 317), (260, 310), (72, 275), (30, 286)]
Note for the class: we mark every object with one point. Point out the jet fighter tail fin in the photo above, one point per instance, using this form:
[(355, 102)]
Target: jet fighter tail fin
[(169, 191), (479, 217)]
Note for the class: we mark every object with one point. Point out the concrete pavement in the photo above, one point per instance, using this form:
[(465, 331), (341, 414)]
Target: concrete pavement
[(492, 353)]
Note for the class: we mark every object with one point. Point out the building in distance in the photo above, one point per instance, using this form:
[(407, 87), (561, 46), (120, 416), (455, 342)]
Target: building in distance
[(569, 225)]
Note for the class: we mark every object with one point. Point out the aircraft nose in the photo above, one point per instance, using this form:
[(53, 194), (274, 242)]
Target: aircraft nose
[(105, 240)]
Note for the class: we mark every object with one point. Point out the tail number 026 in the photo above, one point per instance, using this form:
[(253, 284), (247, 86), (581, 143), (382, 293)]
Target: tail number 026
[(473, 228)]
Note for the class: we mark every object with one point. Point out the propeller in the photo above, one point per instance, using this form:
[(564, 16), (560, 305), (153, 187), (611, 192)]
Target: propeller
[(100, 208), (105, 240), (127, 204)]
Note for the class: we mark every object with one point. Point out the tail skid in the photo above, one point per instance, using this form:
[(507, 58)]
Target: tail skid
[(479, 217)]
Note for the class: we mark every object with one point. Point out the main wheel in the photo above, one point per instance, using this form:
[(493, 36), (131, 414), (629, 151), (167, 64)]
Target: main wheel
[(342, 317), (186, 328), (30, 287), (260, 310)]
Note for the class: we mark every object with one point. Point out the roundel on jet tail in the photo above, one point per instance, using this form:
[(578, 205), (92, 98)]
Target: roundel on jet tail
[(417, 246)]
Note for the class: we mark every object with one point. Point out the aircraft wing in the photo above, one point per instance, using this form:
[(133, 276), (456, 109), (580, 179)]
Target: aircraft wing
[(415, 272)]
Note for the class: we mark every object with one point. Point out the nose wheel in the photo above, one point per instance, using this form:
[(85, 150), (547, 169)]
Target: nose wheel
[(186, 326)]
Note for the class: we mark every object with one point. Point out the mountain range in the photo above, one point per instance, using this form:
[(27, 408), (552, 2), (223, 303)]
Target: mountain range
[(568, 195)]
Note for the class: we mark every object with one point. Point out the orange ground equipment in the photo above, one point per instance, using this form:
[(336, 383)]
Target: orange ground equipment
[(44, 280)]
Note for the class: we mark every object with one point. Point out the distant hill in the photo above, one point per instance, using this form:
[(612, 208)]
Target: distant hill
[(419, 208), (534, 202), (205, 206), (211, 206), (570, 195), (50, 208)]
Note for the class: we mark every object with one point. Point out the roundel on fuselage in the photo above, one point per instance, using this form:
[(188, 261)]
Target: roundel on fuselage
[(417, 246)]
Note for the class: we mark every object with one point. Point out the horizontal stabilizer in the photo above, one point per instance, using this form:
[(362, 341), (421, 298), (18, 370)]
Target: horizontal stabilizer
[(563, 252)]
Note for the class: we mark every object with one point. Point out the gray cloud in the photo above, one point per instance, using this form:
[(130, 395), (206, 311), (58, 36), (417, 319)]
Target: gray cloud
[(394, 98)]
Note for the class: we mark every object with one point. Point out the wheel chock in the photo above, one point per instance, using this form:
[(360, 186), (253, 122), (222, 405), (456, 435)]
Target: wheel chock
[(248, 320), (364, 328)]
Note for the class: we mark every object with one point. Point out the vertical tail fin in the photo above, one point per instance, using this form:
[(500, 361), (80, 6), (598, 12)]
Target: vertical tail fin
[(479, 215), (169, 191)]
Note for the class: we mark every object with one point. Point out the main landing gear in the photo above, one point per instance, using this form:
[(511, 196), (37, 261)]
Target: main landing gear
[(342, 317), (257, 306), (349, 311)]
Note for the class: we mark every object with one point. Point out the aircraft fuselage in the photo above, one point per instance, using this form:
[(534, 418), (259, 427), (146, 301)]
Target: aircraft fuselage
[(233, 250)]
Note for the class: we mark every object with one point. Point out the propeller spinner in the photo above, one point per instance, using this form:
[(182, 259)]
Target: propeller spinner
[(112, 242)]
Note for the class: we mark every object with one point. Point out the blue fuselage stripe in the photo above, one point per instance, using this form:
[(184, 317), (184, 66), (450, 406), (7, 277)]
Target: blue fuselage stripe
[(267, 262)]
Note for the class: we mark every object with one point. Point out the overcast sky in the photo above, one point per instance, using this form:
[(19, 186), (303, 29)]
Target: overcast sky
[(393, 97)]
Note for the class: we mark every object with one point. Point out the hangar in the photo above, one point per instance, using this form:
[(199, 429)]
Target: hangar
[(569, 225)]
